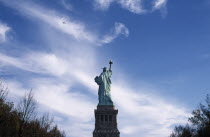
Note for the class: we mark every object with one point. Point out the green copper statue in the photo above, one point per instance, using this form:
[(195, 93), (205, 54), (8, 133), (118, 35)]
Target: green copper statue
[(104, 82)]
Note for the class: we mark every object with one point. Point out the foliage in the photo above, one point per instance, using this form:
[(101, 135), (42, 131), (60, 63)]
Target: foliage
[(22, 121), (200, 123)]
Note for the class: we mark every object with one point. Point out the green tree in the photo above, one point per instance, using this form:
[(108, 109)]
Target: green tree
[(200, 123), (22, 121), (182, 131)]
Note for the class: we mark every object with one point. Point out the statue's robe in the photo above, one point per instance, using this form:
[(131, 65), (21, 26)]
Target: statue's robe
[(104, 82)]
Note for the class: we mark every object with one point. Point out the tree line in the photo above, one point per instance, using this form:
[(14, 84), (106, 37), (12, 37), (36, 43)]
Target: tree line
[(22, 120), (199, 123)]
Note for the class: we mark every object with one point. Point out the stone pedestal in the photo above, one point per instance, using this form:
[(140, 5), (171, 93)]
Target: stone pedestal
[(106, 122)]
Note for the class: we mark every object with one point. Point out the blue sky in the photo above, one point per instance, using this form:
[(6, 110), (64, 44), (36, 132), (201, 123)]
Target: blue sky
[(160, 50)]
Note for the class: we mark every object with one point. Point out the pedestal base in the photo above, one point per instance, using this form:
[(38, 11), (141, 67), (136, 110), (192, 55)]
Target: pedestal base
[(106, 122)]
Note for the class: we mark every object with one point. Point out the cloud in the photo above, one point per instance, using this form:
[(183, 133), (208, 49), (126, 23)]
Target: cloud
[(60, 22), (67, 5), (103, 4), (65, 24), (48, 90), (134, 6), (146, 111), (119, 29), (73, 28), (131, 5), (4, 29), (158, 4), (50, 64), (161, 6), (36, 62)]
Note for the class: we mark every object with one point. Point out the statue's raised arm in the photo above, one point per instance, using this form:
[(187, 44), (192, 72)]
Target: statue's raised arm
[(110, 65), (104, 82)]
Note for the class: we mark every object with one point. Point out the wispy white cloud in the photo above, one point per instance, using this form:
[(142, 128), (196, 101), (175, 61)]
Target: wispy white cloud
[(134, 6), (65, 24), (60, 22), (149, 109), (36, 62), (71, 27), (131, 5), (103, 4), (66, 5), (119, 29), (161, 6), (4, 29), (158, 4), (65, 98), (51, 64)]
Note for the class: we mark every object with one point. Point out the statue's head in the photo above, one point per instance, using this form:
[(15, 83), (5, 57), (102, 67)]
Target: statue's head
[(104, 69)]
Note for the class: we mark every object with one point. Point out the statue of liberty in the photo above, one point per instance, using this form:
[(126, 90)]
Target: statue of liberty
[(104, 82)]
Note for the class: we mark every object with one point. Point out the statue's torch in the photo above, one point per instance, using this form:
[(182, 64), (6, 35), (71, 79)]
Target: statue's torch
[(110, 65)]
